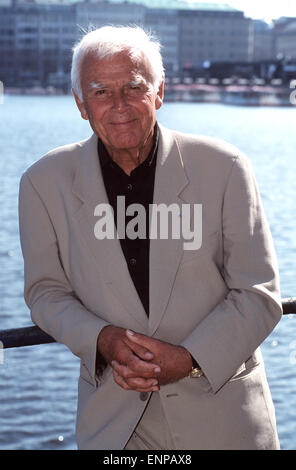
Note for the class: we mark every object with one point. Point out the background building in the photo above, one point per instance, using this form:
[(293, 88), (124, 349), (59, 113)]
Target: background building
[(37, 36), (285, 38), (164, 23), (213, 35), (263, 41), (96, 13), (35, 43), (7, 45)]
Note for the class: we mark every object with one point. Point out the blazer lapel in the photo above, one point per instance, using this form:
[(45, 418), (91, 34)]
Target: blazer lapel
[(165, 254), (89, 187)]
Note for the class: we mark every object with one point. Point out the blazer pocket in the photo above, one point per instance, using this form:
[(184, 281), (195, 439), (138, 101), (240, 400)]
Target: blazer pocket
[(209, 245)]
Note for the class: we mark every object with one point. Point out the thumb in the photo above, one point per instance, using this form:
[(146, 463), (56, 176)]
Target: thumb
[(137, 337), (138, 343)]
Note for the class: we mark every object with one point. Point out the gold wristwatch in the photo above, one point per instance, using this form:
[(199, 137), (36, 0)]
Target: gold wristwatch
[(196, 371)]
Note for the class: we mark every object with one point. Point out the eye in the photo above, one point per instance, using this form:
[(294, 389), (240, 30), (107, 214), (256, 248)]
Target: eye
[(102, 94), (134, 89)]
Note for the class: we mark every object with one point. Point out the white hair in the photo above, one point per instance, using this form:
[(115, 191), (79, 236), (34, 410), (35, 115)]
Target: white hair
[(110, 40)]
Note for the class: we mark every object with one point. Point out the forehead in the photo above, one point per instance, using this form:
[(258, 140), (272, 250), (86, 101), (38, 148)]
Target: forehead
[(118, 67)]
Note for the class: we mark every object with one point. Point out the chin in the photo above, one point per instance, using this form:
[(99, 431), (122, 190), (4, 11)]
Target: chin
[(126, 144)]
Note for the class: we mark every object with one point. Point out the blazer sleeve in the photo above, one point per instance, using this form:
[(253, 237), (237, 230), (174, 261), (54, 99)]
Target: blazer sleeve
[(54, 306), (235, 328)]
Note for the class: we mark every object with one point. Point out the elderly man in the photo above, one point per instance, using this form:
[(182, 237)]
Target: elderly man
[(168, 334)]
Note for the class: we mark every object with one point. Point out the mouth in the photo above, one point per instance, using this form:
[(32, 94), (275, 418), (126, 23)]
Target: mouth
[(123, 123)]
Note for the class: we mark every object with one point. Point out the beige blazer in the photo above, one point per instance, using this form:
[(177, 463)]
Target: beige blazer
[(220, 301)]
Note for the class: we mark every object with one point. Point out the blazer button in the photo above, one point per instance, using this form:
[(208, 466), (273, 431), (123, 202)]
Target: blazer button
[(144, 396)]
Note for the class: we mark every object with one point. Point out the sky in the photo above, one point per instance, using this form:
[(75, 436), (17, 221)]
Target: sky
[(261, 9)]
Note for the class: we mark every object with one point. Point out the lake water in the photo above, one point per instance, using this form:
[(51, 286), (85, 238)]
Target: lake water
[(38, 384)]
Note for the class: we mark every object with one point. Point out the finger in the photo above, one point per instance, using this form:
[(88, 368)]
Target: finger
[(127, 373), (141, 340), (138, 385), (136, 368), (140, 351), (132, 352), (142, 385), (120, 381)]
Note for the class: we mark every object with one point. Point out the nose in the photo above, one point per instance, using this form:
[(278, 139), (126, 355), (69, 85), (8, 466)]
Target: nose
[(119, 101)]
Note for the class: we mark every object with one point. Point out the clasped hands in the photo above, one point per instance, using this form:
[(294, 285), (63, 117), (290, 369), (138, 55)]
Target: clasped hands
[(142, 363)]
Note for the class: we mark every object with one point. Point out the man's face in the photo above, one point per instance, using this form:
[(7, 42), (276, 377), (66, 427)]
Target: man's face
[(119, 100)]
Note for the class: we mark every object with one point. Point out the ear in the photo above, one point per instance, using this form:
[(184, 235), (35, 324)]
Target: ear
[(159, 96), (80, 106)]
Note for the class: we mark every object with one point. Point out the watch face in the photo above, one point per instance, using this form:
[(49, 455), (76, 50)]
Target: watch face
[(196, 373)]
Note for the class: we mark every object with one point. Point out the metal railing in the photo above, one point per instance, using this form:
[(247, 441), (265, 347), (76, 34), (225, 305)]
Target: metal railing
[(33, 335)]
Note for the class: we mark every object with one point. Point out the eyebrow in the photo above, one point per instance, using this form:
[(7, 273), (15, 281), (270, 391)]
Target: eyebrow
[(136, 82), (97, 86), (100, 86)]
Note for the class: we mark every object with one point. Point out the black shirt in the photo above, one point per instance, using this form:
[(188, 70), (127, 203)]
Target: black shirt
[(137, 188)]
